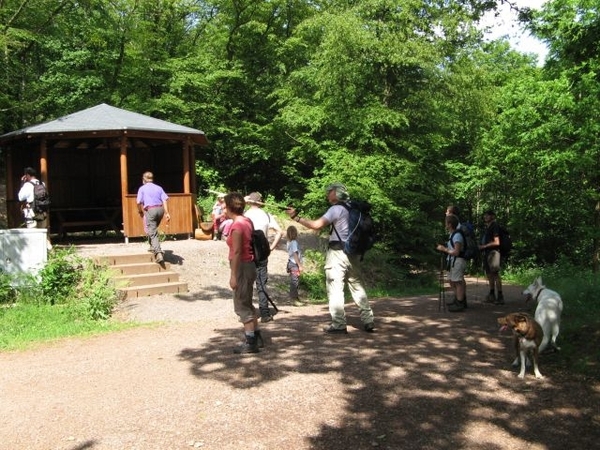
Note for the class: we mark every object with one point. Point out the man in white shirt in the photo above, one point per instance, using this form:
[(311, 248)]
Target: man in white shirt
[(26, 195), (28, 180), (264, 221), (340, 268)]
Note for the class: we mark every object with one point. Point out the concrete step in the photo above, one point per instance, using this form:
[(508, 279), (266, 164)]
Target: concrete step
[(155, 289), (139, 268), (145, 278)]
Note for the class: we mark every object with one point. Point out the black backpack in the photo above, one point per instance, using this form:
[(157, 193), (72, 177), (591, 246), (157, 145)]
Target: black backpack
[(470, 248), (506, 243), (41, 198), (361, 229)]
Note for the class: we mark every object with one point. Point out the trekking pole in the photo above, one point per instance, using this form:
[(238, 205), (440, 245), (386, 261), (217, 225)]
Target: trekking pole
[(264, 289), (272, 205), (442, 296)]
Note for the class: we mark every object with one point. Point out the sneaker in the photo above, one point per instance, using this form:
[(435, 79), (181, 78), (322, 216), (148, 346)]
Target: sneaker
[(215, 238), (369, 327), (297, 302), (500, 300), (332, 330), (490, 298), (159, 258), (457, 307), (266, 318)]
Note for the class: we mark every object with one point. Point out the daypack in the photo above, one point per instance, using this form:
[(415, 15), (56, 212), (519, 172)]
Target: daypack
[(506, 243), (361, 230), (470, 248), (41, 198)]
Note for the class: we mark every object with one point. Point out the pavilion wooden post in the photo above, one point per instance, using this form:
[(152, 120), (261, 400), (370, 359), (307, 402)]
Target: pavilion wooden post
[(186, 166), (193, 185), (124, 184), (44, 162)]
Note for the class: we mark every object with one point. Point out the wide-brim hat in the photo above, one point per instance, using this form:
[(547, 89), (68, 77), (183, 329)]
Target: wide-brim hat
[(254, 198)]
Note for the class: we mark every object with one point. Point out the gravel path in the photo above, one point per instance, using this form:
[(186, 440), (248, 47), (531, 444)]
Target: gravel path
[(424, 380)]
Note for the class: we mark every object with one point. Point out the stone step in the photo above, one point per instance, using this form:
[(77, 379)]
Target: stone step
[(140, 268), (143, 279), (155, 289)]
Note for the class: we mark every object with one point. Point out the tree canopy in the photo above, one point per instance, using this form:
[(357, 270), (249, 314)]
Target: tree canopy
[(402, 100)]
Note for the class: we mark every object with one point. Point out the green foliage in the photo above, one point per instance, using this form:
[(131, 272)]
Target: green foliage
[(71, 296), (60, 276), (312, 281)]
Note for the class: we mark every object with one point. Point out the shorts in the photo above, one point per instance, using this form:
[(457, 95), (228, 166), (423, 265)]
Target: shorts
[(456, 272), (492, 262)]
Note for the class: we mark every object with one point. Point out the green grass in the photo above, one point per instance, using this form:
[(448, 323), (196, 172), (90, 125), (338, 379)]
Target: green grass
[(579, 337), (25, 325), (71, 297)]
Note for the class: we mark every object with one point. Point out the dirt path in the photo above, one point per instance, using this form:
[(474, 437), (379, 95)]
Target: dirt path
[(423, 380)]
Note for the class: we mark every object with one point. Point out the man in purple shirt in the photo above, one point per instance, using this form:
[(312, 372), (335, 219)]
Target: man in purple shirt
[(152, 206)]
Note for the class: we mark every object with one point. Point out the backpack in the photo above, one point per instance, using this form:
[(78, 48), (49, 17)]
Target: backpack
[(41, 198), (506, 243), (470, 248), (361, 229)]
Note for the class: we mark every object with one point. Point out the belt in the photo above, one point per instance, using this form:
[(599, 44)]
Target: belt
[(153, 206), (336, 245)]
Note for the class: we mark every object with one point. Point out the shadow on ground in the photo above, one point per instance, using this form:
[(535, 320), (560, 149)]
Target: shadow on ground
[(423, 380)]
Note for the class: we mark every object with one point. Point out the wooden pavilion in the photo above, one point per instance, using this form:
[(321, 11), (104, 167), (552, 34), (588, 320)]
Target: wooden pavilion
[(92, 162)]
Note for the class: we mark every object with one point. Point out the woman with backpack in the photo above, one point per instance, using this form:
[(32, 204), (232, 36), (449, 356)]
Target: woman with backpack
[(456, 262)]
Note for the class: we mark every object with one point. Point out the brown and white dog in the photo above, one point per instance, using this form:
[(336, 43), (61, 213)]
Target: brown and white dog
[(528, 336)]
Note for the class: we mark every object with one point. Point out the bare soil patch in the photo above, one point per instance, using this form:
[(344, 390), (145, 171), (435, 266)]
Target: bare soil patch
[(424, 380)]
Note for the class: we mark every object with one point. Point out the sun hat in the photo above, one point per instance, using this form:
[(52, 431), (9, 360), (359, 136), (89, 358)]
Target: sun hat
[(254, 198)]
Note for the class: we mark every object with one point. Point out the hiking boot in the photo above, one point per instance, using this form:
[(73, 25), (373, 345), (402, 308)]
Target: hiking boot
[(259, 339), (250, 346), (298, 302), (333, 330), (266, 318), (499, 300), (457, 307), (369, 327)]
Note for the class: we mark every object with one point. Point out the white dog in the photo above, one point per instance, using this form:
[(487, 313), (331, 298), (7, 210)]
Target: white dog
[(548, 311)]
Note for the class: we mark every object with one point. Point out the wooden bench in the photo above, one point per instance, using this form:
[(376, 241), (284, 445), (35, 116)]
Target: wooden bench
[(86, 219)]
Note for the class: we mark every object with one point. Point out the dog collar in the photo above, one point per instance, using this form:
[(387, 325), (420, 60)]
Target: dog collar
[(538, 294)]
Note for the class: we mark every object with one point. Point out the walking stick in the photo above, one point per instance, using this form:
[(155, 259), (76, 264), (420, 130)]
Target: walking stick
[(442, 297)]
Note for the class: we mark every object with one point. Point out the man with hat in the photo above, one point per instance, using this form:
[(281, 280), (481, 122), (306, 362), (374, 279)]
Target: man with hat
[(339, 267), (264, 221), (492, 258)]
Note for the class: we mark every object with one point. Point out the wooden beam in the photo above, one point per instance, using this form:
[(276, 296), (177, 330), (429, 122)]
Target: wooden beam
[(186, 166), (124, 182), (44, 162)]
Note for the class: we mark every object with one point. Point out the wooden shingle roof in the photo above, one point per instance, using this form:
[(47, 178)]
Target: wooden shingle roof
[(104, 118)]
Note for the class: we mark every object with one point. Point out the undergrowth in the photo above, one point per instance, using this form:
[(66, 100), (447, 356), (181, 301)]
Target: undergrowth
[(69, 296)]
